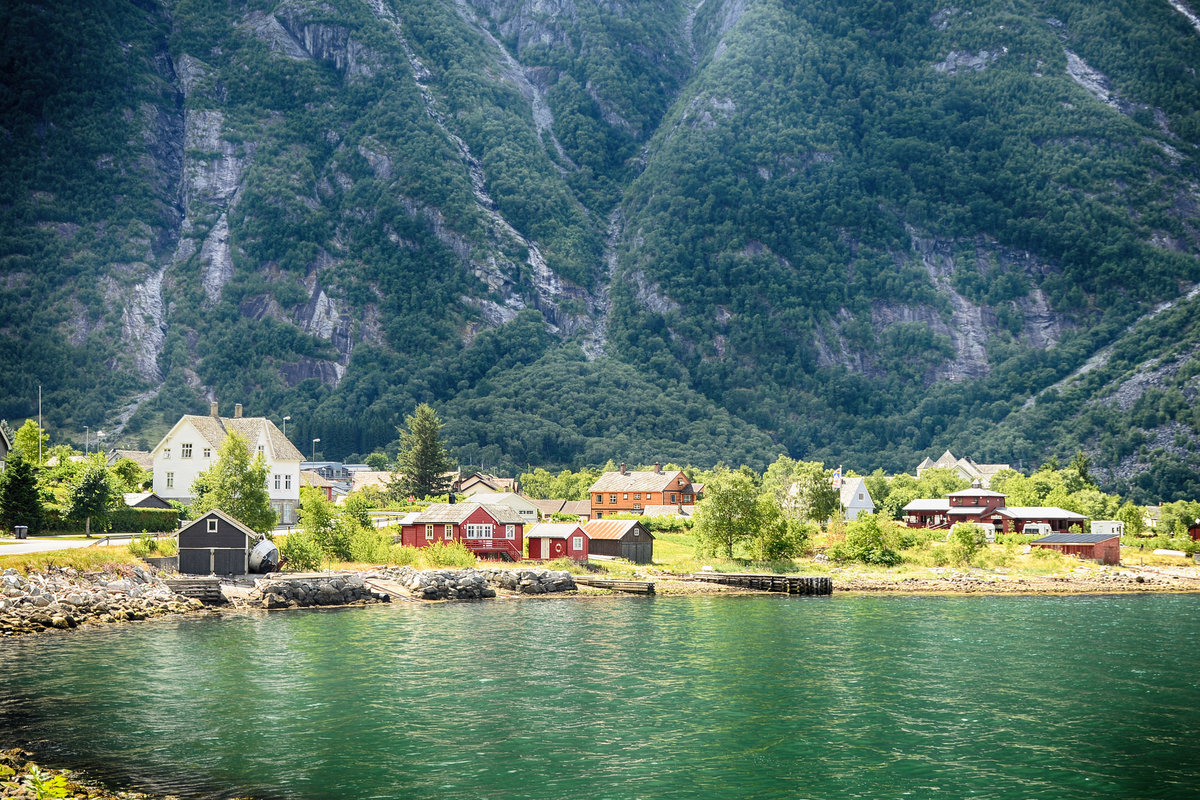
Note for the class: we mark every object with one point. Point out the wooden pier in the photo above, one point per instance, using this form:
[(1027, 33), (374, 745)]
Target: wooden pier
[(633, 587), (206, 589), (390, 588), (786, 584)]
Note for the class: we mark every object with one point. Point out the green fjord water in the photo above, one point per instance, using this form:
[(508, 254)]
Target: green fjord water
[(763, 697)]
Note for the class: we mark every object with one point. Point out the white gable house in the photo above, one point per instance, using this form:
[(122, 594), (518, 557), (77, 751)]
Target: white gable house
[(856, 499), (191, 447)]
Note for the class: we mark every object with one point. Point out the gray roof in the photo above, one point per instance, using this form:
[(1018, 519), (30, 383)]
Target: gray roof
[(668, 511), (645, 481), (553, 530), (215, 429), (925, 504), (1043, 512), (457, 513), (1075, 538), (975, 493)]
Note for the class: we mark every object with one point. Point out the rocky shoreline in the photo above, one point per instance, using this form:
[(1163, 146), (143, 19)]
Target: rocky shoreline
[(62, 598), (1084, 580)]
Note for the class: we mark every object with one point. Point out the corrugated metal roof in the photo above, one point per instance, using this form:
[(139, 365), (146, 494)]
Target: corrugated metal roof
[(554, 530), (1075, 538), (1043, 512), (457, 513), (923, 504), (611, 528)]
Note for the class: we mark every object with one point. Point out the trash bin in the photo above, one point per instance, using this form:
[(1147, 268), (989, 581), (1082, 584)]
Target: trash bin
[(22, 531)]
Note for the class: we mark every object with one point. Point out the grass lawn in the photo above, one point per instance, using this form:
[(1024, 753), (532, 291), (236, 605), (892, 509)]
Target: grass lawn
[(89, 559)]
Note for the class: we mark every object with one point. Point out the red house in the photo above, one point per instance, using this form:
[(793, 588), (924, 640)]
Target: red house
[(987, 508), (1102, 547), (548, 541), (487, 531)]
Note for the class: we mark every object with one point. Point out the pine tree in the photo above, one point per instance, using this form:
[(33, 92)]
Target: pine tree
[(20, 501), (237, 485), (423, 463), (93, 494)]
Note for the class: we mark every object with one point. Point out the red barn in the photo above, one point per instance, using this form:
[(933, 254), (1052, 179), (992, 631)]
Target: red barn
[(1102, 547), (487, 531), (549, 541)]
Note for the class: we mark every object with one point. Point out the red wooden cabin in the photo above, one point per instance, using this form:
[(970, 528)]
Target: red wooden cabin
[(487, 531), (549, 541)]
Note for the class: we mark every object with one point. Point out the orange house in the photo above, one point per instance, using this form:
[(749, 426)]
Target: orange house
[(629, 492)]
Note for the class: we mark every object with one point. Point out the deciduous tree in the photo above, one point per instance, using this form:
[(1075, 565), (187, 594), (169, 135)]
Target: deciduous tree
[(236, 484), (729, 512), (92, 495)]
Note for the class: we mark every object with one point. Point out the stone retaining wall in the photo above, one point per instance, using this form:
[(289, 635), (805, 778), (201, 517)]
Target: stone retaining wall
[(302, 591), (471, 584), (62, 597)]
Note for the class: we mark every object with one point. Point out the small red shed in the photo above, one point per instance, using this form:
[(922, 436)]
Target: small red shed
[(1102, 547), (548, 541), (487, 531)]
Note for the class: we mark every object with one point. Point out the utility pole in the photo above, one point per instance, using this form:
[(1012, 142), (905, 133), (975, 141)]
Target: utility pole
[(39, 424)]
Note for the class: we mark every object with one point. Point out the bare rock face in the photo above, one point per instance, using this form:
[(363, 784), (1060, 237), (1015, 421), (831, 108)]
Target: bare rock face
[(217, 260), (144, 326)]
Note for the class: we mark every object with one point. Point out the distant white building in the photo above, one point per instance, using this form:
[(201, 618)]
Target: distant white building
[(856, 498), (192, 445), (968, 469)]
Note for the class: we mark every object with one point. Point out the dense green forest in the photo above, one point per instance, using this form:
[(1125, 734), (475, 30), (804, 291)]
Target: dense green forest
[(717, 231)]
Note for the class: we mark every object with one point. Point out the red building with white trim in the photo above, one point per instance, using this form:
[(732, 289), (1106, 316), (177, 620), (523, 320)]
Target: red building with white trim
[(549, 540), (986, 507), (487, 531)]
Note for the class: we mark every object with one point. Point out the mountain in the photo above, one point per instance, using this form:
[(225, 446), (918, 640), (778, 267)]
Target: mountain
[(723, 229)]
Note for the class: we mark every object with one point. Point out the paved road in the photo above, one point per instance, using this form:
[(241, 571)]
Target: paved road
[(9, 547)]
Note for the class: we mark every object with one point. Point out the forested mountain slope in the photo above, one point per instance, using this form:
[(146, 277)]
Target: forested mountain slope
[(646, 231)]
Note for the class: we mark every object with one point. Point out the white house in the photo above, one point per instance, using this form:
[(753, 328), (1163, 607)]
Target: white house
[(191, 446), (856, 499), (517, 502)]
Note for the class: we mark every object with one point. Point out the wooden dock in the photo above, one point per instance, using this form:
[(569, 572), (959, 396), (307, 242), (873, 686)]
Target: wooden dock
[(786, 584), (390, 588), (206, 589), (632, 587)]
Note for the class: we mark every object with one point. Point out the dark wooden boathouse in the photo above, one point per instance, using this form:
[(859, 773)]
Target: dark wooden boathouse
[(620, 538), (215, 544)]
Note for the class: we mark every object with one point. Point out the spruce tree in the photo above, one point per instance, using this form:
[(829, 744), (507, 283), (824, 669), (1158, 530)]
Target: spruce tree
[(20, 500), (423, 463)]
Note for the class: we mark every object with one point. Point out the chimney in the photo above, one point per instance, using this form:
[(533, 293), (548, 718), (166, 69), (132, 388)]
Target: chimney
[(237, 410), (658, 468), (212, 409), (622, 467)]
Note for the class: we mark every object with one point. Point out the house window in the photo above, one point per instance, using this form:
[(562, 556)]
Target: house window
[(170, 480), (860, 496), (599, 498), (429, 532), (680, 481), (612, 498), (185, 451), (479, 531), (510, 531), (166, 454), (287, 481), (208, 452), (577, 543), (212, 524), (687, 498), (277, 481), (637, 506), (673, 496), (625, 496), (449, 532), (637, 495), (260, 449)]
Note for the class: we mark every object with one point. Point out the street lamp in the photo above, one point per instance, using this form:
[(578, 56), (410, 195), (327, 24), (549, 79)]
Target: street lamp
[(285, 419), (314, 449)]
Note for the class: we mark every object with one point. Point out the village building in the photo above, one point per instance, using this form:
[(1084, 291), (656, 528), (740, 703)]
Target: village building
[(551, 540), (5, 448), (192, 446), (629, 492), (985, 507), (965, 467), (676, 512), (313, 480), (482, 483), (145, 500), (1104, 548), (142, 458), (620, 538), (487, 531), (215, 544), (856, 498), (517, 502)]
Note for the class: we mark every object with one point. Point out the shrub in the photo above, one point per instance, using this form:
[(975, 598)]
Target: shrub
[(865, 542), (302, 552), (154, 520), (370, 545), (452, 554), (966, 539), (147, 546)]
